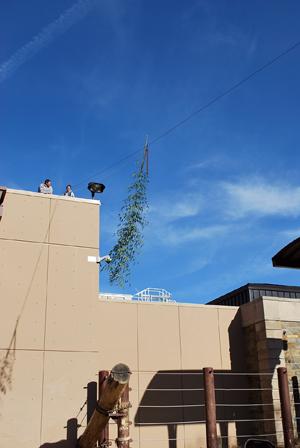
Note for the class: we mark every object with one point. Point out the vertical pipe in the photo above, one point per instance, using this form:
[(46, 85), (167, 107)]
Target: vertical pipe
[(285, 404), (210, 407), (123, 438), (104, 434)]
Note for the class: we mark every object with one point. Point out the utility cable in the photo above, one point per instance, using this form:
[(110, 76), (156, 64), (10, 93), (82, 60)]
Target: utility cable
[(202, 108)]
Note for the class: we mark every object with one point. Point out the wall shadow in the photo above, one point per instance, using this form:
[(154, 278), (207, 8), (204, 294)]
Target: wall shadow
[(185, 392), (183, 403), (72, 423), (71, 437)]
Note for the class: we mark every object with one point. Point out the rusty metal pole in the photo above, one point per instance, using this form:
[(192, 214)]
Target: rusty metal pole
[(104, 434), (210, 407), (286, 413), (123, 438)]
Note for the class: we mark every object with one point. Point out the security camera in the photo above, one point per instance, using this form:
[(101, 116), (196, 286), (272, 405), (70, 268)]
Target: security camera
[(98, 260), (106, 258)]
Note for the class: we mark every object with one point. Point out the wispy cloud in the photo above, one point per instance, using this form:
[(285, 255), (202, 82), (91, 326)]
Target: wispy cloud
[(48, 34), (173, 217), (204, 164), (174, 236), (175, 206), (256, 197)]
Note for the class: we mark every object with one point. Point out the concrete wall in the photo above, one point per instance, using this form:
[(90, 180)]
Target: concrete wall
[(65, 334), (272, 335), (48, 296), (55, 335)]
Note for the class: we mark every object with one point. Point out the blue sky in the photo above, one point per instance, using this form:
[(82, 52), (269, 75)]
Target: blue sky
[(81, 84)]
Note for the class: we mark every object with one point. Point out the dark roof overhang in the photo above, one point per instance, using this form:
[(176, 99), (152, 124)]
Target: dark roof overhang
[(289, 256)]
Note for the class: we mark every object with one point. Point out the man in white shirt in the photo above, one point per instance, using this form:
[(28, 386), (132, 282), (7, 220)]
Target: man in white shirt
[(46, 187)]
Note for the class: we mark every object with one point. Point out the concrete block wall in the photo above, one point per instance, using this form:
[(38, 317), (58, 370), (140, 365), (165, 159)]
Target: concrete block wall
[(271, 327)]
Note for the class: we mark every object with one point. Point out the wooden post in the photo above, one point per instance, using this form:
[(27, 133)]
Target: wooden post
[(72, 426), (286, 413), (210, 407), (91, 399), (114, 387), (123, 438), (104, 434)]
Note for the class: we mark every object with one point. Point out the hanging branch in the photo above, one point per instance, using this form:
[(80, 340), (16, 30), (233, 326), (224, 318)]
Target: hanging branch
[(130, 229)]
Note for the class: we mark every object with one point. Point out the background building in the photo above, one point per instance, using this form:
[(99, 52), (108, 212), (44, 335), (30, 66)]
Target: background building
[(252, 291)]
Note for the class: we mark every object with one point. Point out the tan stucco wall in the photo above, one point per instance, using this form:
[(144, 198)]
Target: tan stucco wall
[(65, 334), (47, 291)]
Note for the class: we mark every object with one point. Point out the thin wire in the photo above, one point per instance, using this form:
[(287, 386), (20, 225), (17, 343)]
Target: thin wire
[(172, 390), (168, 373), (202, 389), (245, 374), (81, 409), (247, 390), (169, 423), (174, 406), (248, 420), (226, 92), (108, 168), (251, 435), (83, 418), (203, 421), (201, 373), (202, 405), (202, 108), (178, 440), (245, 404), (204, 437)]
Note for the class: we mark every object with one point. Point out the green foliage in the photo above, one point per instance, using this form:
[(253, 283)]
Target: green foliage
[(130, 230)]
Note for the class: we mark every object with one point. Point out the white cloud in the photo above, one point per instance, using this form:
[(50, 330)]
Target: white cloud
[(176, 207), (173, 236), (208, 163), (67, 19), (256, 197), (172, 220)]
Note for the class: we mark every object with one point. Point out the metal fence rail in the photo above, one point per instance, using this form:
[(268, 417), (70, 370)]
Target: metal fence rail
[(229, 415)]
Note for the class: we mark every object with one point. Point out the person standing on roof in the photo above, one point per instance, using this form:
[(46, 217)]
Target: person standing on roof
[(69, 191), (46, 187)]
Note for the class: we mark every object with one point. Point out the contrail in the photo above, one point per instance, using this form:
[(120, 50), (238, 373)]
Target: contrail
[(45, 37)]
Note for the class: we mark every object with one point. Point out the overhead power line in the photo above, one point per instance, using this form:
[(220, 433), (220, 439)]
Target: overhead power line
[(226, 92), (204, 107)]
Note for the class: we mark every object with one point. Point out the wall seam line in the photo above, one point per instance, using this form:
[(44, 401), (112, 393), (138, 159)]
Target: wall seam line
[(181, 367), (220, 347), (138, 362), (45, 325)]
